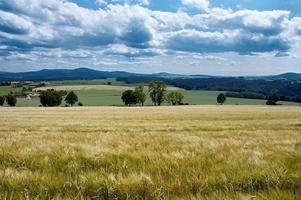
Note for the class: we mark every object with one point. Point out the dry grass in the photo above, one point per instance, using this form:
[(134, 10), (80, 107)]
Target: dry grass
[(194, 152)]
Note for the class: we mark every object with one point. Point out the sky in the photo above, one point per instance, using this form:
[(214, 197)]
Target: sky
[(216, 37)]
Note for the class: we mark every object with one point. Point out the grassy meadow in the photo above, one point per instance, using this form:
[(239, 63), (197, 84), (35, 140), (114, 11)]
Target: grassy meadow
[(185, 152), (98, 93)]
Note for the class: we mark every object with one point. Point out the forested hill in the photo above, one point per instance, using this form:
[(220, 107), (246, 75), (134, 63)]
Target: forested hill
[(288, 90)]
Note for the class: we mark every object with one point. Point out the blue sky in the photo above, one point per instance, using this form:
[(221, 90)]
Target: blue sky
[(218, 37)]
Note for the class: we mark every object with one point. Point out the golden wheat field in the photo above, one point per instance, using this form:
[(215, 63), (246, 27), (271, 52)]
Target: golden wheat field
[(193, 152)]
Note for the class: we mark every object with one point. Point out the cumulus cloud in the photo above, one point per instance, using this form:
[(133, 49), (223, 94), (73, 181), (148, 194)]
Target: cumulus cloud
[(264, 22), (132, 30), (64, 24), (226, 41), (296, 25), (244, 31)]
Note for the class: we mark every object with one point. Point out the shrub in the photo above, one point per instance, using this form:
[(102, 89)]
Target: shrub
[(80, 104)]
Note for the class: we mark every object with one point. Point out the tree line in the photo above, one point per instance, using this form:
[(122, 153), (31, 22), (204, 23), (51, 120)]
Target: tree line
[(158, 94), (236, 87)]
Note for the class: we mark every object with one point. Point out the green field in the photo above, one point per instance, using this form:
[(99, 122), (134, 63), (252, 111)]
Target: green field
[(151, 153), (97, 93)]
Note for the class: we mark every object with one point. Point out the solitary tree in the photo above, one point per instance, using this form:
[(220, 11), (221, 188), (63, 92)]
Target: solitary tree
[(175, 98), (221, 98), (51, 98), (273, 98), (2, 100), (11, 100), (129, 97), (140, 94), (157, 91), (71, 98)]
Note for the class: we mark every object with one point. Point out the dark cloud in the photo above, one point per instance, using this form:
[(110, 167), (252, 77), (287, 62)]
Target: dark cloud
[(137, 36)]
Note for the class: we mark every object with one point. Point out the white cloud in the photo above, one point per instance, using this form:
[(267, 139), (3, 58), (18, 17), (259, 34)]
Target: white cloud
[(296, 25), (265, 22), (58, 23), (123, 50), (227, 41), (132, 30), (198, 4)]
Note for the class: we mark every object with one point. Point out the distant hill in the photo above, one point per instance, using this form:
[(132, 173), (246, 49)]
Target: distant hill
[(83, 73), (288, 76), (62, 74), (86, 73)]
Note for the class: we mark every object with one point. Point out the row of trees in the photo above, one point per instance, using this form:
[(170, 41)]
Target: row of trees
[(48, 98), (51, 98), (157, 91)]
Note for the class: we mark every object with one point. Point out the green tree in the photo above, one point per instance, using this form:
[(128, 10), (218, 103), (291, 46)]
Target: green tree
[(140, 94), (157, 91), (71, 98), (51, 98), (221, 98), (175, 98), (11, 99), (129, 97), (273, 98), (2, 100)]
